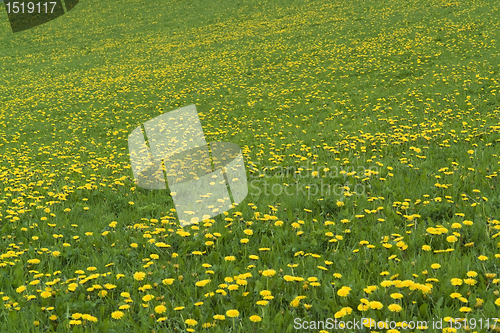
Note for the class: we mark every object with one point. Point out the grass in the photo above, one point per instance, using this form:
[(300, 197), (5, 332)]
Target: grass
[(370, 134)]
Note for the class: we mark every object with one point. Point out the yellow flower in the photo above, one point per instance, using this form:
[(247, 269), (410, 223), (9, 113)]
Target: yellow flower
[(167, 281), (395, 307), (343, 312), (344, 291), (46, 294), (139, 276), (255, 318), (470, 282), (190, 322), (219, 317), (483, 258), (263, 303), (370, 289), (396, 295), (451, 239), (230, 258), (435, 266), (376, 305), (295, 302), (21, 289), (147, 298), (117, 315), (269, 272), (471, 274), (160, 308), (232, 313), (202, 283)]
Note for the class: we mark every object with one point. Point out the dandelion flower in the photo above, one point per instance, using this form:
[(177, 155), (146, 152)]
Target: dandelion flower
[(191, 322), (117, 315), (232, 313), (160, 308), (255, 318), (139, 276), (269, 272)]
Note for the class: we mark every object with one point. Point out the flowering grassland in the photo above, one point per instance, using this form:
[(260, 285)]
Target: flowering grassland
[(394, 104)]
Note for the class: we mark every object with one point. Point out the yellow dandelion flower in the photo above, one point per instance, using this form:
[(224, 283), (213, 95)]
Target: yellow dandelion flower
[(46, 294), (117, 315), (255, 318), (232, 313), (139, 276), (191, 322), (160, 308), (395, 307), (269, 272)]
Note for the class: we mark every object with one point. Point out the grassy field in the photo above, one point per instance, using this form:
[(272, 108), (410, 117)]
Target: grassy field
[(370, 131)]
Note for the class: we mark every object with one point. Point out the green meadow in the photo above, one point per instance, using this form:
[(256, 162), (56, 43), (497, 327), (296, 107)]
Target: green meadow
[(371, 138)]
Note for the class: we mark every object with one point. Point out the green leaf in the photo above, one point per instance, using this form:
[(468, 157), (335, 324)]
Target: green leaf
[(439, 303), (489, 309), (423, 309), (278, 320)]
